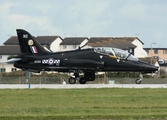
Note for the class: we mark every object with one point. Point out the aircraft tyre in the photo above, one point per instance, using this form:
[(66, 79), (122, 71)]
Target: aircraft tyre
[(138, 81), (72, 80), (82, 80)]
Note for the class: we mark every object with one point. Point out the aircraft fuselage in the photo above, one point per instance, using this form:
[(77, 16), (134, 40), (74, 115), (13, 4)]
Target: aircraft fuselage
[(81, 60)]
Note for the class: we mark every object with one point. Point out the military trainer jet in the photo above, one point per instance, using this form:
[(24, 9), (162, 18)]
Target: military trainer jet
[(35, 58)]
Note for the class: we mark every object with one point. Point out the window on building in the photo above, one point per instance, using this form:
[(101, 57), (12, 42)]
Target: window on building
[(131, 50), (13, 69), (0, 56), (74, 46), (64, 47), (164, 51), (2, 70), (156, 51)]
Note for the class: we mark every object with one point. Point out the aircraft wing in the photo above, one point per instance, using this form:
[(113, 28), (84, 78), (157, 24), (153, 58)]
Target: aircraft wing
[(13, 60)]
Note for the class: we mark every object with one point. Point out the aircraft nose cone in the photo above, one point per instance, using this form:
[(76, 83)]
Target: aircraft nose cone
[(155, 68), (148, 67)]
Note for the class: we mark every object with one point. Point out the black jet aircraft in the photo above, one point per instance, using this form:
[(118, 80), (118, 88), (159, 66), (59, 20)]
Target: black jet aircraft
[(36, 58)]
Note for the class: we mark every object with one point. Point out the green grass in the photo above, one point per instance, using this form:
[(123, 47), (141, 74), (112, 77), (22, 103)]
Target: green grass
[(115, 103)]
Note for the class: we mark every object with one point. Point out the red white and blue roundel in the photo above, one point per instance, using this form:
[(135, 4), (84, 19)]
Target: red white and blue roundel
[(50, 61)]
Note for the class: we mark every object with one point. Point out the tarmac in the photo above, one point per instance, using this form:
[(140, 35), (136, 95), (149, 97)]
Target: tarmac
[(78, 86)]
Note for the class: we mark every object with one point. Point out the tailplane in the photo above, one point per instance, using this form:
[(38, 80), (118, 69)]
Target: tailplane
[(28, 43)]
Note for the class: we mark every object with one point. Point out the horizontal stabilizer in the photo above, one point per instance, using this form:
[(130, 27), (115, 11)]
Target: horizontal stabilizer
[(13, 60)]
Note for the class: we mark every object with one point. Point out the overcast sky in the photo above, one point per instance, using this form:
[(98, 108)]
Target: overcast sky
[(146, 19)]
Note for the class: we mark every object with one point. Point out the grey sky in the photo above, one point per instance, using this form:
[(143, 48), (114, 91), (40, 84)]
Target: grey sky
[(146, 19)]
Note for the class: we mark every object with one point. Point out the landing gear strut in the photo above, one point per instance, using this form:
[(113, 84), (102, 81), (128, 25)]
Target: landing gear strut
[(74, 78), (88, 76), (138, 80)]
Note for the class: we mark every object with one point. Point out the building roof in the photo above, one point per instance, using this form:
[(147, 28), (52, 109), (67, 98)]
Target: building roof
[(73, 40), (98, 39), (122, 44), (10, 50), (155, 48), (130, 39), (13, 40), (44, 40)]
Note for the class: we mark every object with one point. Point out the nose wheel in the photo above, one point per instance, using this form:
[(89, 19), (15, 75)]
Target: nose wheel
[(138, 80)]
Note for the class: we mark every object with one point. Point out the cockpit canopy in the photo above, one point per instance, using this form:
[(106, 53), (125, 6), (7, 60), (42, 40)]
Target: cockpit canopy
[(120, 54)]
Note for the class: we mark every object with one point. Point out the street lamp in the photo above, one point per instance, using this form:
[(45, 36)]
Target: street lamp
[(152, 50)]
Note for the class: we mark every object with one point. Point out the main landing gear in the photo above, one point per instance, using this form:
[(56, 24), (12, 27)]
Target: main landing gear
[(138, 80), (88, 76)]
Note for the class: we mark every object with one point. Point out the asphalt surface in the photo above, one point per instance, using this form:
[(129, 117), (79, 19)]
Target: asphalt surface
[(78, 86)]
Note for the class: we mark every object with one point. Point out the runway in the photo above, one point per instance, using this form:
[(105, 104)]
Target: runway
[(78, 86)]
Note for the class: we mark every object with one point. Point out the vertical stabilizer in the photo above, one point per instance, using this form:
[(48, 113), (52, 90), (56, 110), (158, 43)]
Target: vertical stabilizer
[(28, 43)]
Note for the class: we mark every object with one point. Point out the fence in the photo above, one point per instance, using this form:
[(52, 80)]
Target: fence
[(98, 80)]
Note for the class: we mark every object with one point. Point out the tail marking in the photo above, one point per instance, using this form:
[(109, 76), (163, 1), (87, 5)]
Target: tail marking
[(33, 49)]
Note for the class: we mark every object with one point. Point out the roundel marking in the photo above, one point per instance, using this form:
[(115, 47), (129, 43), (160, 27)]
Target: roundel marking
[(50, 61)]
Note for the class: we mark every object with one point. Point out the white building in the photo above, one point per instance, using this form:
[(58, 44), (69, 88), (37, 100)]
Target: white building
[(51, 42), (72, 43), (6, 52)]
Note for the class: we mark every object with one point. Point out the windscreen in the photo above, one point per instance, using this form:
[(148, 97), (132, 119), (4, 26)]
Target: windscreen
[(105, 50), (121, 54)]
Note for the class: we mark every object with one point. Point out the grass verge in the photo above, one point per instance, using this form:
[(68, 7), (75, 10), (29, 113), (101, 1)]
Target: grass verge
[(113, 103)]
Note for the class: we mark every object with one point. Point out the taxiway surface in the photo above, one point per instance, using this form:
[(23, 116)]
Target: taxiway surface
[(78, 86)]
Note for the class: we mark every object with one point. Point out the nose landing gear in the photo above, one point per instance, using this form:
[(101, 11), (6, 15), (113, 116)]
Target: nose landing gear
[(138, 80)]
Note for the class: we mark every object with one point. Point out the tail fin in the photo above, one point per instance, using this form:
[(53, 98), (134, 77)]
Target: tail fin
[(28, 43)]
